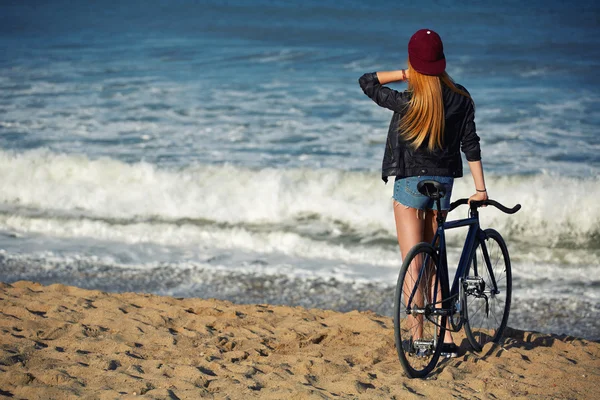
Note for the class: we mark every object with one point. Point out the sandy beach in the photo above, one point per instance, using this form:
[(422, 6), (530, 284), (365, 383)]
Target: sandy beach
[(61, 342)]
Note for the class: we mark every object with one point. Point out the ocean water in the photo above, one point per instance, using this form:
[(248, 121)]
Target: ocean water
[(225, 149)]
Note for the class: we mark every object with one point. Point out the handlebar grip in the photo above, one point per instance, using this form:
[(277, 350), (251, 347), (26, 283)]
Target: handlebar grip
[(502, 207), (479, 203)]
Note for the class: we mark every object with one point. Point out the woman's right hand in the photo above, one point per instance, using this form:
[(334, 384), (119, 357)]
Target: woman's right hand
[(478, 196)]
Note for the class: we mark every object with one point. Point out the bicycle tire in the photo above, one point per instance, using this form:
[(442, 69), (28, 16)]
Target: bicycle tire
[(486, 313), (419, 355)]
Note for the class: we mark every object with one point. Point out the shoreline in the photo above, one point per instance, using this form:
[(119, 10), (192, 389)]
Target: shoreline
[(65, 342), (528, 311)]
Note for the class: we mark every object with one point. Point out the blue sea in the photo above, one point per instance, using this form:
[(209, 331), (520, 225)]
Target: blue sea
[(224, 148)]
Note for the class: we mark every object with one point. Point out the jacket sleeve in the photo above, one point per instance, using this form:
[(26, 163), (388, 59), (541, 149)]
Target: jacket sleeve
[(382, 95), (470, 140)]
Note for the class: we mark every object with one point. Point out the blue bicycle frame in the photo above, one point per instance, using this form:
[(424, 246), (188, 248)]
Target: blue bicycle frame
[(475, 233)]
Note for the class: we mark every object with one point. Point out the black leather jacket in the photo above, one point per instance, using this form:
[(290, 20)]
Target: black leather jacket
[(400, 159)]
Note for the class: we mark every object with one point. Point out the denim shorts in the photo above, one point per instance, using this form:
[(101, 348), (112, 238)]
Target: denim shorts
[(406, 193)]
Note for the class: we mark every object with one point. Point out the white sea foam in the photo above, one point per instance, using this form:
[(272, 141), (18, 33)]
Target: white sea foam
[(556, 211), (204, 239)]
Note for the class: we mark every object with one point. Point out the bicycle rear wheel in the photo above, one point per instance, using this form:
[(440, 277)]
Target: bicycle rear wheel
[(418, 324), (487, 290)]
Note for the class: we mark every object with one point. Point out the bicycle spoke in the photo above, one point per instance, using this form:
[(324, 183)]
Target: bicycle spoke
[(476, 311)]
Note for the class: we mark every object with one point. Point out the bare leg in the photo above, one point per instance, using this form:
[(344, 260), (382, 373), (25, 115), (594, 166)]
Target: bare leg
[(409, 229), (430, 228)]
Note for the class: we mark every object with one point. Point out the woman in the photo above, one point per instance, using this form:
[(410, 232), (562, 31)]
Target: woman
[(432, 122)]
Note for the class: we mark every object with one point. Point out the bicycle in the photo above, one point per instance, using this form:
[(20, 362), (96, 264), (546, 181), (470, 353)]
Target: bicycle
[(479, 300)]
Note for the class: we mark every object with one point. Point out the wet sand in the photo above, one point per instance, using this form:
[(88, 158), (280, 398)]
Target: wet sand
[(61, 342)]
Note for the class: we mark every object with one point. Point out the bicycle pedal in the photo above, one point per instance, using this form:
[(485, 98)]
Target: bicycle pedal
[(423, 348), (471, 283)]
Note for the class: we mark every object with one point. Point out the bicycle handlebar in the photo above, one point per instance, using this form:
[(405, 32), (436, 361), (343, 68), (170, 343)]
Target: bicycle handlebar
[(478, 203)]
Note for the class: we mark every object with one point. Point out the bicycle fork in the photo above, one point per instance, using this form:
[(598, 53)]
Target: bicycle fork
[(475, 285)]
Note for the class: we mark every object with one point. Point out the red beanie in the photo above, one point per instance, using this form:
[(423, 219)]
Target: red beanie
[(426, 52)]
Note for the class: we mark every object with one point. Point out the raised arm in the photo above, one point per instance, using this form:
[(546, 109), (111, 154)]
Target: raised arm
[(392, 76), (391, 99)]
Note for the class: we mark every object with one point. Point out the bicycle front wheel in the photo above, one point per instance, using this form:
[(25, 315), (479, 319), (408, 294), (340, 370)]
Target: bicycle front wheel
[(487, 291), (419, 322)]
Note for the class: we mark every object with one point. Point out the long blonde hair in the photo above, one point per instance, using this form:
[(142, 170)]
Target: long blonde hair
[(424, 119)]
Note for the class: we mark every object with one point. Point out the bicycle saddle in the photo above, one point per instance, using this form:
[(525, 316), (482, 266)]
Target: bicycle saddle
[(431, 189)]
